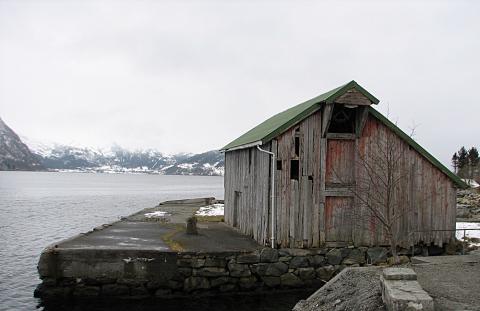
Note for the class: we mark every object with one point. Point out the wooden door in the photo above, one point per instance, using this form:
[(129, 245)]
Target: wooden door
[(340, 162), (339, 219)]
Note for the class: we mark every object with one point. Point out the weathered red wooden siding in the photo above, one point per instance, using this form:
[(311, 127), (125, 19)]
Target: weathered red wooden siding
[(311, 211)]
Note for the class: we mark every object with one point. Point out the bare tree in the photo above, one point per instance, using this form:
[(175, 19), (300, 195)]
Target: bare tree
[(380, 174)]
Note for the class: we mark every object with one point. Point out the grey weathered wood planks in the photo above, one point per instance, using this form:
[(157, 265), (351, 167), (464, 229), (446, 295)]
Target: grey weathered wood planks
[(307, 208)]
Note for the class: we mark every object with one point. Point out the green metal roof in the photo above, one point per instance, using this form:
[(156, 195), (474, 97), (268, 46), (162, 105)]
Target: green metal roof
[(279, 123)]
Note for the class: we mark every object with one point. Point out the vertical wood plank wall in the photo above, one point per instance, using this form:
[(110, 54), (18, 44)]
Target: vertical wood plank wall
[(309, 213), (247, 173)]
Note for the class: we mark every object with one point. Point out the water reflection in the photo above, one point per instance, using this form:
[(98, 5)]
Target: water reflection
[(270, 301)]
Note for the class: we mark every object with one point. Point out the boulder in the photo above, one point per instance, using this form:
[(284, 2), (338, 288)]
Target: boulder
[(356, 256), (276, 269), (86, 291), (376, 255), (210, 272), (307, 273), (269, 255), (219, 281), (325, 273), (402, 260), (298, 262), (247, 282), (290, 280), (238, 270), (195, 282), (249, 258), (115, 290), (318, 260), (215, 262), (259, 269), (139, 292), (336, 255), (198, 262), (161, 293), (271, 281)]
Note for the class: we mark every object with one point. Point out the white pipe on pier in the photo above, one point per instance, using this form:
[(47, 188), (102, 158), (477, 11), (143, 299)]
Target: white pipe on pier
[(272, 183)]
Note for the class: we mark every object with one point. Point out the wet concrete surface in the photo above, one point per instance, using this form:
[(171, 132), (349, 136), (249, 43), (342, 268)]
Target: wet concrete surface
[(141, 232), (122, 235)]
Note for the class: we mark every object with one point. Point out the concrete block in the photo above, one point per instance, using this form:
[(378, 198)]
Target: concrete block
[(399, 295), (399, 274)]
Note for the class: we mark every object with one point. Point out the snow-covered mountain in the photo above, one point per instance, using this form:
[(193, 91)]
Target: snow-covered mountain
[(14, 154), (117, 159)]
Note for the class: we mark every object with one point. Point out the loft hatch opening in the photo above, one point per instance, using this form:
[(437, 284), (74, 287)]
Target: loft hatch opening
[(343, 119)]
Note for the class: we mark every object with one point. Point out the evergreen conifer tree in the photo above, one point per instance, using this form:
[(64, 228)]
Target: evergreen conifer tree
[(455, 162), (473, 160), (462, 162)]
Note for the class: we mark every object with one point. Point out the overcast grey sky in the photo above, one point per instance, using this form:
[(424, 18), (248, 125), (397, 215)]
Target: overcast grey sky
[(193, 75)]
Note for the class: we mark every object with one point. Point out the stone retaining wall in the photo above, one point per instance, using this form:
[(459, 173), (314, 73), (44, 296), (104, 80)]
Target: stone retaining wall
[(162, 275)]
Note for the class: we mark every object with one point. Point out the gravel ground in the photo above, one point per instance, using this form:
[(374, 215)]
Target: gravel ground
[(353, 289), (452, 281)]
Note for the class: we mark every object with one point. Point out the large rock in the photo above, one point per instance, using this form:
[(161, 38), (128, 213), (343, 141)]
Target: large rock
[(210, 272), (268, 255), (249, 258), (86, 291), (195, 282), (290, 280), (215, 262), (298, 262), (325, 273), (356, 256), (115, 290), (247, 282), (259, 269), (219, 281), (336, 255), (276, 269), (306, 273), (376, 255), (295, 252), (271, 281), (318, 260), (239, 270)]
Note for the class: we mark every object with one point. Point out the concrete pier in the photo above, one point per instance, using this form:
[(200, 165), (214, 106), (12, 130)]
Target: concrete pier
[(150, 255)]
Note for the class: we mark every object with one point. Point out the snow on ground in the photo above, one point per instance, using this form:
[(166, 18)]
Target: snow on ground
[(468, 233), (211, 210), (157, 214)]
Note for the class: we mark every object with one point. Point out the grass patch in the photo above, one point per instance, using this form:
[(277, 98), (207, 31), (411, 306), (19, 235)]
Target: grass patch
[(168, 238), (210, 218)]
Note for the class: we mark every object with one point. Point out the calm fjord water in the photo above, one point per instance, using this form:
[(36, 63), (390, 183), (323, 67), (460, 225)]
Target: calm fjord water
[(39, 208)]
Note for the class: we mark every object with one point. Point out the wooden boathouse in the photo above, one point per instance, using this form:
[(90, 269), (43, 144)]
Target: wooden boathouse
[(317, 146)]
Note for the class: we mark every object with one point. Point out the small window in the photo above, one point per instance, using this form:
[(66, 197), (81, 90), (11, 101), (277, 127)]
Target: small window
[(297, 146), (294, 169), (279, 165), (250, 160)]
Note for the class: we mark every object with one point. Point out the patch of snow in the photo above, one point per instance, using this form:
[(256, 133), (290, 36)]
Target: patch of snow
[(471, 183), (211, 210), (157, 214), (187, 165), (468, 233)]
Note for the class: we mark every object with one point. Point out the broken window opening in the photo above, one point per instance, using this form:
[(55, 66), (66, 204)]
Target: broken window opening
[(294, 169), (297, 146), (343, 120), (279, 165)]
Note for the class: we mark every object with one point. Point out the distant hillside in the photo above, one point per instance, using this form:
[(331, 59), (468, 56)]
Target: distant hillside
[(14, 154), (117, 160)]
